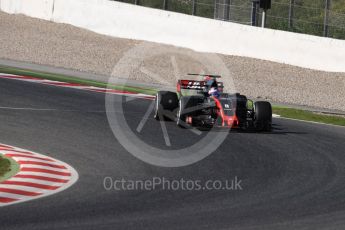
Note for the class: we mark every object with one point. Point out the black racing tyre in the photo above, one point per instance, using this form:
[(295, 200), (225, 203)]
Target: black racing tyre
[(181, 116), (262, 116), (165, 102), (185, 103)]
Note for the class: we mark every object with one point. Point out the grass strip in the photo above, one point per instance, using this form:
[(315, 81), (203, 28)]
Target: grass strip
[(8, 168), (70, 79), (308, 116)]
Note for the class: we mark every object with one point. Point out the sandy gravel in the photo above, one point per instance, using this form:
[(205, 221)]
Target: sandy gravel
[(42, 42)]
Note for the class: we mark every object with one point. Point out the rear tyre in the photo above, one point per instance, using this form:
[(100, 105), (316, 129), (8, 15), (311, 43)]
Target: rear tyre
[(185, 103), (165, 102), (181, 116), (262, 116)]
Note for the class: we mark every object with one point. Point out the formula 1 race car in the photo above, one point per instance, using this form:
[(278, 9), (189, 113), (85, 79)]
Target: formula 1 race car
[(204, 104)]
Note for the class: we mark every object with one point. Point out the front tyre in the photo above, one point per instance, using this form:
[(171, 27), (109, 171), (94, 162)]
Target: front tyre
[(263, 116), (181, 116)]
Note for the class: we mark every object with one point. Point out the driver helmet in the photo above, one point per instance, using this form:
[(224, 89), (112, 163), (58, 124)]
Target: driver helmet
[(211, 82), (207, 78), (213, 92)]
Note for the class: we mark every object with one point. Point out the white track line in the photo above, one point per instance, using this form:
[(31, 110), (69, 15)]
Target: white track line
[(36, 160), (43, 179), (71, 85), (43, 182), (312, 122), (24, 188), (44, 174), (12, 196), (48, 160), (28, 165), (9, 151), (10, 75)]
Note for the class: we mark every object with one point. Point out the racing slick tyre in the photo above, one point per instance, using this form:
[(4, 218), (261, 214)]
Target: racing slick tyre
[(262, 116), (165, 103), (181, 115), (186, 103)]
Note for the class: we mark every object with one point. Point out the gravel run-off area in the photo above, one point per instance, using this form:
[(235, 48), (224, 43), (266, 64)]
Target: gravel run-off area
[(47, 43)]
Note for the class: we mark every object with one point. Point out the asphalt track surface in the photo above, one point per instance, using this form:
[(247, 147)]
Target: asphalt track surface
[(293, 178)]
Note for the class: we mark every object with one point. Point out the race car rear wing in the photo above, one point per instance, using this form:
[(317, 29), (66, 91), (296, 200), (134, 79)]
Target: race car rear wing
[(195, 85), (204, 75), (191, 84)]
